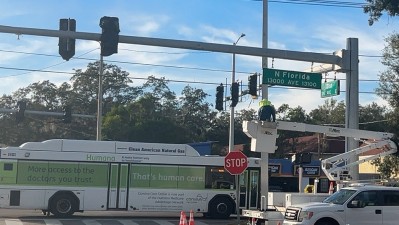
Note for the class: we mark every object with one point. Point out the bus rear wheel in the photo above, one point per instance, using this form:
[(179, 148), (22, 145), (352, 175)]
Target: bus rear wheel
[(221, 208), (63, 205)]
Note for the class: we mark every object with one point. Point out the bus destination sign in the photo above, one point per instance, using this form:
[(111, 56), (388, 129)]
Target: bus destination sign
[(291, 78)]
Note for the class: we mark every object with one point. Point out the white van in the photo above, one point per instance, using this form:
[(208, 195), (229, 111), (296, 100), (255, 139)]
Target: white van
[(355, 205)]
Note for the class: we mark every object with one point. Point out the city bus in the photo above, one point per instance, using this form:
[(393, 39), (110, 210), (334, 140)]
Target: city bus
[(62, 177)]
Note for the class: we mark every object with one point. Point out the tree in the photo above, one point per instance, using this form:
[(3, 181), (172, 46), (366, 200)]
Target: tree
[(195, 113), (373, 117), (157, 115), (375, 8), (387, 167), (288, 140), (331, 112), (388, 89), (389, 79), (219, 132), (80, 93), (116, 87)]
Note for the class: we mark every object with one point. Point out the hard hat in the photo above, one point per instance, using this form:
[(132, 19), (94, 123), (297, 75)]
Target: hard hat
[(264, 102)]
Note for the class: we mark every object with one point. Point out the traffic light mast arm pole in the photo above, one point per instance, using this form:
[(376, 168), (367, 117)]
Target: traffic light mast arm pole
[(4, 110), (181, 44), (231, 132)]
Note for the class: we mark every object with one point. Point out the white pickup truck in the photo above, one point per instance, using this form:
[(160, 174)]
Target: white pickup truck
[(358, 204)]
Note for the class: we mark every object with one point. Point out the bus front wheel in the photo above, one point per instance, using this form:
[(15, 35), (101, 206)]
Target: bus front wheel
[(221, 208), (63, 205)]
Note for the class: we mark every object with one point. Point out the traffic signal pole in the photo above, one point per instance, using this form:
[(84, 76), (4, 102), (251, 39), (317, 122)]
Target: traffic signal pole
[(100, 99), (182, 44), (264, 165)]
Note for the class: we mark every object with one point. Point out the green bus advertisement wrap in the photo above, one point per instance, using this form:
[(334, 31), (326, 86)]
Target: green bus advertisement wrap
[(174, 177), (39, 173)]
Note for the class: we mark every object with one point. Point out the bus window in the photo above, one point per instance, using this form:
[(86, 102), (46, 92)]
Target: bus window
[(218, 178), (8, 166)]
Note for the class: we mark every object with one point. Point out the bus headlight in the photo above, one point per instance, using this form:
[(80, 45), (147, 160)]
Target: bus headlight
[(305, 215)]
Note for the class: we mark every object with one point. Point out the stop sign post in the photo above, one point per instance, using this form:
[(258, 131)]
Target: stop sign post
[(235, 163)]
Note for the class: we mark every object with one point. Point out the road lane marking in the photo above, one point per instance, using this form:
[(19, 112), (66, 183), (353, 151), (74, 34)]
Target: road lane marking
[(163, 222), (127, 222), (13, 222), (52, 222), (91, 222)]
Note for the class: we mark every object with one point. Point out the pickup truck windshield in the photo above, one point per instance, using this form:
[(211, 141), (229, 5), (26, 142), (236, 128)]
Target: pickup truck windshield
[(340, 197)]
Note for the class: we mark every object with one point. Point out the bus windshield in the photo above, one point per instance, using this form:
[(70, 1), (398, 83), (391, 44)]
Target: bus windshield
[(340, 197)]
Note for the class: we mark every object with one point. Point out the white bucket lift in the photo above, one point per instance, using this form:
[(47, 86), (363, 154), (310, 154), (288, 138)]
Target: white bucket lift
[(263, 135)]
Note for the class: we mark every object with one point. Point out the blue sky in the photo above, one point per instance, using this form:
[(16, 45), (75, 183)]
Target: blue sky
[(299, 27)]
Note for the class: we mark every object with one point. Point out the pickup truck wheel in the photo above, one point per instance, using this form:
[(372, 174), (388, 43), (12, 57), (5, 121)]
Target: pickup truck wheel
[(325, 222)]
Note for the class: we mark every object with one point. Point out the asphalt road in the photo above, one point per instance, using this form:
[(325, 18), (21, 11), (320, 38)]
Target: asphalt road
[(32, 217)]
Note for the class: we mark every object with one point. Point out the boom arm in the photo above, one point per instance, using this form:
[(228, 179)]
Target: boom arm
[(336, 167), (263, 136)]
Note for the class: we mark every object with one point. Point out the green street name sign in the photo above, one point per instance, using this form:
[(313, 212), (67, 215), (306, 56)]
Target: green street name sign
[(291, 78), (330, 88)]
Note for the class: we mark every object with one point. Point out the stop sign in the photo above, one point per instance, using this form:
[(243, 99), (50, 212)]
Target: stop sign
[(235, 163)]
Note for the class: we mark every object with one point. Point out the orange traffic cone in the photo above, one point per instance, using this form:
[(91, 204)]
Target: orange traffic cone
[(183, 218), (331, 189), (191, 220)]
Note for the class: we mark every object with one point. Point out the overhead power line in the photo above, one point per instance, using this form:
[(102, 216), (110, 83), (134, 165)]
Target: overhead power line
[(124, 62), (169, 80), (328, 3)]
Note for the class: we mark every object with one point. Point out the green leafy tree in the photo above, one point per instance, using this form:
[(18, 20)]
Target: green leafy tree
[(389, 90), (219, 133), (387, 167), (288, 140), (116, 85), (195, 113), (149, 118), (331, 112), (159, 116), (375, 9), (373, 117)]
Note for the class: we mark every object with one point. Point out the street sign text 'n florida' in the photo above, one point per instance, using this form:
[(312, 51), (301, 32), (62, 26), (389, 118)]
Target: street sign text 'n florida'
[(291, 78)]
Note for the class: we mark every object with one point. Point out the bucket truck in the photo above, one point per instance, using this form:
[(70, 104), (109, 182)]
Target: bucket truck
[(264, 135)]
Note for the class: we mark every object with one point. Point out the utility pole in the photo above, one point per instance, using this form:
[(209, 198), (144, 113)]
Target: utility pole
[(352, 100), (231, 132), (264, 165), (100, 99)]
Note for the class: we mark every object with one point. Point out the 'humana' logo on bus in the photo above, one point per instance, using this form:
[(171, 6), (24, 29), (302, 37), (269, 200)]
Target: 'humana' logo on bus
[(90, 157)]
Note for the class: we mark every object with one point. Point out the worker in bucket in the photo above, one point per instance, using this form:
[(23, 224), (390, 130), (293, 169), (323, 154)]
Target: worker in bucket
[(266, 112)]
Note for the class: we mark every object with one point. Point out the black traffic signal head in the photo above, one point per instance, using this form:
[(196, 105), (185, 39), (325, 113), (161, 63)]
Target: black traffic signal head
[(219, 97), (234, 94), (253, 85), (67, 117), (109, 36), (66, 46)]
